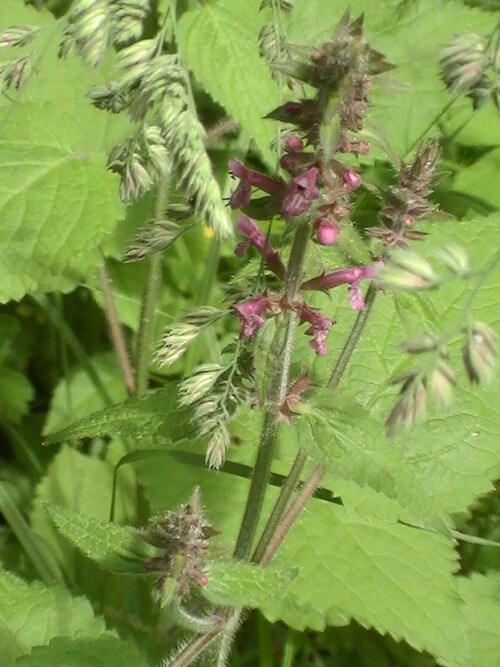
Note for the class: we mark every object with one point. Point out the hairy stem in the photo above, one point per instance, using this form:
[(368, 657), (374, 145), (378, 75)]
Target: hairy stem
[(192, 650), (353, 338), (279, 523), (282, 350), (286, 492), (149, 302), (116, 331), (292, 513)]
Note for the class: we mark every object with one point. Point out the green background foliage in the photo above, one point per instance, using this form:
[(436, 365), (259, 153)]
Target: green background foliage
[(379, 546)]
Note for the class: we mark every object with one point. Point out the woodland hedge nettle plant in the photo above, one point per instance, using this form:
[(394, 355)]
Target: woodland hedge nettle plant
[(305, 272)]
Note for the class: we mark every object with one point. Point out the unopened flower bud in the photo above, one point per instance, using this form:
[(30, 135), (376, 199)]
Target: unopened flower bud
[(293, 143), (326, 232), (352, 180)]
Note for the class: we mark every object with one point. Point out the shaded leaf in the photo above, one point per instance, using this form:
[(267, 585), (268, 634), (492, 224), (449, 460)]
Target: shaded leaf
[(115, 548)]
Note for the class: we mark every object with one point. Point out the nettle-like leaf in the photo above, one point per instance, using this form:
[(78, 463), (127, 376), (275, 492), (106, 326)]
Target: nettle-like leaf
[(220, 45), (77, 396), (34, 614), (115, 548), (443, 466), (104, 651), (240, 584), (406, 104), (384, 575), (57, 201), (153, 415), (481, 596), (82, 485)]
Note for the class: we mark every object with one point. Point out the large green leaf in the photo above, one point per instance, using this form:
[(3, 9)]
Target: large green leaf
[(219, 42), (477, 178), (442, 467), (104, 651), (57, 201), (388, 576), (83, 485), (481, 596), (34, 614), (238, 584)]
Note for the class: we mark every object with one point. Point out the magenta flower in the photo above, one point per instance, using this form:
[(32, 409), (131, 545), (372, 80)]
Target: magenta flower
[(340, 277), (250, 314), (302, 191), (256, 237), (326, 232), (248, 178), (352, 180), (320, 326), (355, 296)]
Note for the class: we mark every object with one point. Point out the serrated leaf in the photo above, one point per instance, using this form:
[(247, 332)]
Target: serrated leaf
[(219, 42), (83, 485), (240, 584), (57, 200), (52, 216), (116, 548), (387, 576), (76, 397), (384, 575), (104, 651), (35, 613), (481, 595), (443, 466), (153, 415)]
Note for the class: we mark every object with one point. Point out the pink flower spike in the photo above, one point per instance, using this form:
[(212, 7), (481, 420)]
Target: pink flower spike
[(302, 191), (340, 277), (249, 228), (248, 178), (250, 314), (320, 326), (352, 180), (257, 238), (355, 296), (326, 232), (241, 196)]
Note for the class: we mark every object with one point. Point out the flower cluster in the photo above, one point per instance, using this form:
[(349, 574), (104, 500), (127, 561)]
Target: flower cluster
[(407, 202), (183, 536), (314, 185)]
